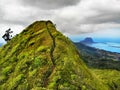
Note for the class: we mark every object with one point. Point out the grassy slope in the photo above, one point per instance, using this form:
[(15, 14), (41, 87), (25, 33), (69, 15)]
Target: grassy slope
[(33, 60), (110, 78)]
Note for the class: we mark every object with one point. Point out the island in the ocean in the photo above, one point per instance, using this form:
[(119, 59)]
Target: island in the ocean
[(87, 40)]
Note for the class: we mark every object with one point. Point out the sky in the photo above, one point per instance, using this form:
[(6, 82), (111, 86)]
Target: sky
[(107, 35), (74, 18)]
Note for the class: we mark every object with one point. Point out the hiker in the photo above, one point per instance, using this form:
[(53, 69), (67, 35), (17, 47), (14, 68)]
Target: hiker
[(7, 36)]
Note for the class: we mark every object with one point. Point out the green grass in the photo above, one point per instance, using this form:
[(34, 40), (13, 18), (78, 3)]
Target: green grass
[(110, 78), (7, 70), (26, 62)]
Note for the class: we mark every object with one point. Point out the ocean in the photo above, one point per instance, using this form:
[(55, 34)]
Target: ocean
[(108, 46)]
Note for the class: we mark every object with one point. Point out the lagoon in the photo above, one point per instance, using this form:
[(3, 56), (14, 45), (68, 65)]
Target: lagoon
[(108, 46)]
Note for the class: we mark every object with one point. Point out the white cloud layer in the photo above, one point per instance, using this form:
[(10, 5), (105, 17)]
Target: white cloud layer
[(71, 16)]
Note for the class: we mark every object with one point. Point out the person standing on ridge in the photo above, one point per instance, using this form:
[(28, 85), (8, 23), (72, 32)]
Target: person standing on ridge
[(7, 36)]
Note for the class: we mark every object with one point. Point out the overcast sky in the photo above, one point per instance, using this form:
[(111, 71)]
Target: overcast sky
[(72, 17)]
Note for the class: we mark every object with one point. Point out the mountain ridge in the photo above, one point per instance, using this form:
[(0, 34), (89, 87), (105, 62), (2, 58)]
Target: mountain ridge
[(42, 58)]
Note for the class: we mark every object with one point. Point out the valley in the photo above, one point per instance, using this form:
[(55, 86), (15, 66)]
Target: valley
[(99, 58)]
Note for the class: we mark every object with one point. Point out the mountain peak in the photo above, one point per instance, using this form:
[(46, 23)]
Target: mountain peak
[(87, 40), (40, 58), (39, 25)]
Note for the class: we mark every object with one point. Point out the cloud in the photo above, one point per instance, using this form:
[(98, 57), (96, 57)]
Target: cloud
[(70, 16), (108, 11), (15, 13), (89, 16), (50, 4), (1, 15)]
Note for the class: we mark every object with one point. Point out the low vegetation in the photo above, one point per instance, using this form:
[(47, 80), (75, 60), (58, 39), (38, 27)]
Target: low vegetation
[(109, 77)]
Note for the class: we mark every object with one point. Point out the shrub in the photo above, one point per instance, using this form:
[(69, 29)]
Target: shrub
[(40, 61), (7, 70), (2, 78), (24, 86), (42, 49), (37, 62), (32, 73), (15, 82), (38, 88)]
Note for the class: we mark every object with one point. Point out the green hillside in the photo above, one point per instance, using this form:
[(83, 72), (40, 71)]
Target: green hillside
[(41, 58), (110, 78)]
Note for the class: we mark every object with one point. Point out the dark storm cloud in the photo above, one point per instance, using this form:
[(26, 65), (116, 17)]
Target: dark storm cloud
[(50, 4), (104, 16)]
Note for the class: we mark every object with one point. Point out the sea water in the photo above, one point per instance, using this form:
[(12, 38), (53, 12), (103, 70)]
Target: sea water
[(108, 46)]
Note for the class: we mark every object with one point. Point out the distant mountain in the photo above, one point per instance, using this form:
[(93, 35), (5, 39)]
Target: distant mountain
[(41, 58), (87, 40)]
